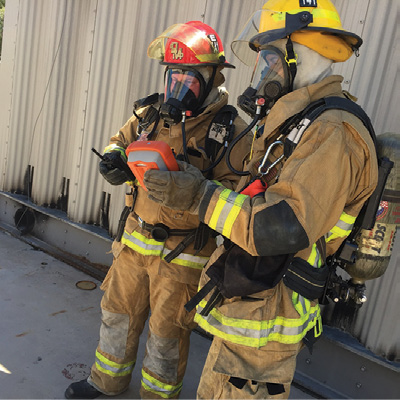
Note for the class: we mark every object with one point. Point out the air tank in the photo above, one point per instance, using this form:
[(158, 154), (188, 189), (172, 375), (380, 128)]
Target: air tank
[(375, 245)]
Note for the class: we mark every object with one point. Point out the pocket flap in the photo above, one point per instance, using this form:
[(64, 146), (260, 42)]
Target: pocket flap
[(274, 363)]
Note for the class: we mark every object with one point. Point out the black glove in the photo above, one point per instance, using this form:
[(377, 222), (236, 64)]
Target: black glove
[(112, 168)]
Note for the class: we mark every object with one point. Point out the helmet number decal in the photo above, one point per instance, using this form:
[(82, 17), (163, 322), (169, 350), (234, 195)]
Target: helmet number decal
[(176, 51), (308, 3)]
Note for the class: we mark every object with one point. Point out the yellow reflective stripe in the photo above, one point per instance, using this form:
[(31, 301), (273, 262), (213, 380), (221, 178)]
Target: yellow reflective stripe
[(230, 220), (151, 247), (162, 389), (210, 57), (342, 228), (187, 260), (216, 182), (226, 211), (258, 333), (317, 13), (142, 244), (112, 368), (314, 258), (114, 147), (217, 210)]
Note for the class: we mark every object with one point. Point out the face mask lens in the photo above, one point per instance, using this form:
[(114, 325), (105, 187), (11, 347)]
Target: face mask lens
[(180, 83), (269, 67)]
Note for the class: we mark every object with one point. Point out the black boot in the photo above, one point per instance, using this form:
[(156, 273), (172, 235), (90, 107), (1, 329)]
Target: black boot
[(81, 390)]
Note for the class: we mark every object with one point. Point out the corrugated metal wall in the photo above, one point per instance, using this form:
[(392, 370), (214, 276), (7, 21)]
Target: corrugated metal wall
[(374, 78), (70, 71)]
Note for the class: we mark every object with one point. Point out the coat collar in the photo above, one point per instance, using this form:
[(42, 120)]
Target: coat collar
[(295, 102)]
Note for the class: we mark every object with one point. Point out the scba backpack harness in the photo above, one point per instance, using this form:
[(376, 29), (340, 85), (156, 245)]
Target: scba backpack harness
[(237, 273), (220, 133)]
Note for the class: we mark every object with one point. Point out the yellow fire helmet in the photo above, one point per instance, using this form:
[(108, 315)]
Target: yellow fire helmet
[(312, 23)]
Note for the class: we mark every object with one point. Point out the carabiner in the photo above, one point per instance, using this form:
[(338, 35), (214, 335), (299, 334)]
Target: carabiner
[(264, 160)]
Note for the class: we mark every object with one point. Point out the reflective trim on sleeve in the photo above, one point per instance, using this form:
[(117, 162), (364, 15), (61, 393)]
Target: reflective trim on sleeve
[(259, 333), (112, 368), (315, 258), (114, 147), (342, 228), (151, 247), (226, 211), (155, 386)]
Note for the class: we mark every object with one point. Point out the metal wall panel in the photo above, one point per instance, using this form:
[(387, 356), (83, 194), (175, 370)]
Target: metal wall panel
[(374, 76), (70, 72)]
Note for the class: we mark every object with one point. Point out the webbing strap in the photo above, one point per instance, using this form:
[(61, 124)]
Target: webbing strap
[(315, 109)]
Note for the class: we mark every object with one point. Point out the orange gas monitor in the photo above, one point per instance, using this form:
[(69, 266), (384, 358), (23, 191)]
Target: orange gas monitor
[(144, 155)]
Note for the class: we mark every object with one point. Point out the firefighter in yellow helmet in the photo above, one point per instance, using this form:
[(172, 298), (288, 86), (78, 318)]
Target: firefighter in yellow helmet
[(310, 173), (159, 254)]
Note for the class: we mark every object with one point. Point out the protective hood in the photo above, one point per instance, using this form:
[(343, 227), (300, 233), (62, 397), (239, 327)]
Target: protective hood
[(312, 67)]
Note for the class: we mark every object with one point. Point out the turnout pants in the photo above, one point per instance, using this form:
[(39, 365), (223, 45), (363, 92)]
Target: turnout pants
[(132, 288), (233, 371)]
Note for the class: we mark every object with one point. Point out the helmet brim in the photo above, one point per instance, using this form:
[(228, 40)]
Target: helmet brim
[(264, 38), (224, 64)]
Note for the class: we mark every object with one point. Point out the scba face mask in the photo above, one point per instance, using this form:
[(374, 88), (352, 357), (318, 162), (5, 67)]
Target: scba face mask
[(271, 80), (185, 90)]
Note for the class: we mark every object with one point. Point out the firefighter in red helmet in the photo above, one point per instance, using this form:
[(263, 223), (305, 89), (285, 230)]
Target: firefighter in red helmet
[(159, 254)]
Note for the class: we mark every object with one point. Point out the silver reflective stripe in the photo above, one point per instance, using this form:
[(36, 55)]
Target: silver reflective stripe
[(223, 215), (296, 133), (303, 304), (344, 225), (188, 259), (147, 247), (166, 392), (258, 333), (151, 247), (114, 370)]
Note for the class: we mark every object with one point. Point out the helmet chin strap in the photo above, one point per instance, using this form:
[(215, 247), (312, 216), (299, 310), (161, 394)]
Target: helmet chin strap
[(291, 61), (207, 91)]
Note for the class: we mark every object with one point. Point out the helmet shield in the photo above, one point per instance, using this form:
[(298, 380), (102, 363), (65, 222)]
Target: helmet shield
[(257, 33), (281, 18)]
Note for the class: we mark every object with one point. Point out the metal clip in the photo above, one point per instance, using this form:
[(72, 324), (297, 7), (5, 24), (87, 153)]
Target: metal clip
[(264, 160), (140, 222)]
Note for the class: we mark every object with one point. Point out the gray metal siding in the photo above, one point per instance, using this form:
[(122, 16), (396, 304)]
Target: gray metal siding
[(70, 71)]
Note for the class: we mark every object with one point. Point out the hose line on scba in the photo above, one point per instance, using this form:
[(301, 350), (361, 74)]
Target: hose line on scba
[(220, 157), (226, 149), (235, 141)]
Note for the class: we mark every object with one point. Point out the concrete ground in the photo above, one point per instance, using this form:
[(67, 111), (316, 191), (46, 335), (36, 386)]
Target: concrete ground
[(49, 328)]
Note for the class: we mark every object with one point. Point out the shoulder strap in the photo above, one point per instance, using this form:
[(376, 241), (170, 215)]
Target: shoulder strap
[(147, 101), (151, 115), (295, 126)]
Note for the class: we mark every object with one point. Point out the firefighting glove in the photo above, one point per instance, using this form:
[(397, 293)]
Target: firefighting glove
[(110, 168), (179, 190)]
